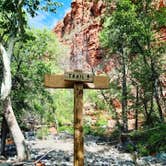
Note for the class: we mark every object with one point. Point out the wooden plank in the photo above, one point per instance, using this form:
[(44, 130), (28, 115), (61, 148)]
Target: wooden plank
[(78, 76), (57, 82), (78, 125), (100, 82)]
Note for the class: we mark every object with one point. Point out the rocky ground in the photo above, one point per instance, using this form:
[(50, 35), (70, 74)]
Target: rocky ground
[(58, 151)]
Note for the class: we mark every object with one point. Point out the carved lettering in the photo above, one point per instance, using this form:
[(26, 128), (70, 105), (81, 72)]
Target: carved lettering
[(78, 76)]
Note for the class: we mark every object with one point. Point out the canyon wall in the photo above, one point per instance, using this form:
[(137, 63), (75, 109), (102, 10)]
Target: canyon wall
[(79, 29)]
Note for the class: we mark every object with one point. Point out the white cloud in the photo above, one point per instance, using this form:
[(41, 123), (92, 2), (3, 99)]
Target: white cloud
[(46, 19), (39, 20)]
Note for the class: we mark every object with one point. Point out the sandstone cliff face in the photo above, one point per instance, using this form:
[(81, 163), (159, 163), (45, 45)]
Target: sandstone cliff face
[(80, 29)]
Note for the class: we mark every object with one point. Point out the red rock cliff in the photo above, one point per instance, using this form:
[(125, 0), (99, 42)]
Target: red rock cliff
[(80, 28)]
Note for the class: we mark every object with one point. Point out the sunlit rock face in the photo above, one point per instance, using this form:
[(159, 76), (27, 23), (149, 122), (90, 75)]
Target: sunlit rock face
[(80, 29)]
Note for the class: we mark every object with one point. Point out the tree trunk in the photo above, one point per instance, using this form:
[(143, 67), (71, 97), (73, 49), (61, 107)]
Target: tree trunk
[(15, 130), (149, 120), (144, 101), (110, 104), (78, 125), (4, 132), (7, 107), (124, 95), (147, 114), (153, 77), (162, 95), (158, 102), (136, 109)]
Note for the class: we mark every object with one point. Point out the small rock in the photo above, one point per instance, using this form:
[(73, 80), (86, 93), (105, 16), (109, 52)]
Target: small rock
[(161, 156), (67, 158), (2, 158), (5, 164), (141, 162)]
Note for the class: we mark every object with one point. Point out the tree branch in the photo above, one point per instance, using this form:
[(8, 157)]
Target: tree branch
[(6, 82), (11, 46), (20, 16)]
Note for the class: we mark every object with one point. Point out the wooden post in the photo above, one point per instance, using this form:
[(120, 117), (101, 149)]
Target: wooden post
[(78, 125), (78, 81)]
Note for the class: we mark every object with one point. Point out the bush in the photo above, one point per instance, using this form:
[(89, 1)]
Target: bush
[(151, 140), (68, 129), (87, 129), (42, 133), (63, 102), (142, 150), (97, 98)]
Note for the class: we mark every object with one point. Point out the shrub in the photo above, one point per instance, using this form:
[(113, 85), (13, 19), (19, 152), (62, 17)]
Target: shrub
[(42, 133)]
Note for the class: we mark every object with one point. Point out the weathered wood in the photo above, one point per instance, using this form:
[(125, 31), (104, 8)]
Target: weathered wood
[(78, 81), (78, 125), (57, 81), (78, 76)]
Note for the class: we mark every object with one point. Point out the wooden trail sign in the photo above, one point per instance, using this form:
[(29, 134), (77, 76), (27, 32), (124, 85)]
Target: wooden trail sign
[(58, 82), (78, 76), (78, 81)]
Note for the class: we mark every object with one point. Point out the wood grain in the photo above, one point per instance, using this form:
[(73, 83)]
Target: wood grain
[(57, 82), (78, 125)]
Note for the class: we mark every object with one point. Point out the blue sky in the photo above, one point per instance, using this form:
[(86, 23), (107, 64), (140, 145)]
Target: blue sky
[(49, 20)]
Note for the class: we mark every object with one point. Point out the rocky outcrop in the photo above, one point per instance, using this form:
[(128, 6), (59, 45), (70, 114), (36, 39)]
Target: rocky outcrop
[(80, 29)]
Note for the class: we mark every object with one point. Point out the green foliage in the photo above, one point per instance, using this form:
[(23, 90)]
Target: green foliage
[(101, 126), (42, 133), (88, 129), (63, 101), (129, 35), (142, 149), (151, 140), (29, 65), (28, 53), (157, 139), (160, 17), (13, 15), (97, 128), (94, 130), (101, 121), (68, 129), (96, 98), (120, 27)]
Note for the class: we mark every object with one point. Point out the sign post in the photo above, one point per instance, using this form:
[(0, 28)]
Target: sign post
[(79, 81), (78, 125)]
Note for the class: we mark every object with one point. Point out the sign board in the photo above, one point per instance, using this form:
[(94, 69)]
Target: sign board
[(78, 77), (58, 81)]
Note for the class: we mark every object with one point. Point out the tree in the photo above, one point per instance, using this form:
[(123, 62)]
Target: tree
[(147, 68), (121, 23), (42, 53), (131, 33), (12, 29)]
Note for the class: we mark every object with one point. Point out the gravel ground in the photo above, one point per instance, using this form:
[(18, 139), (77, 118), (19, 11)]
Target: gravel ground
[(58, 151)]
